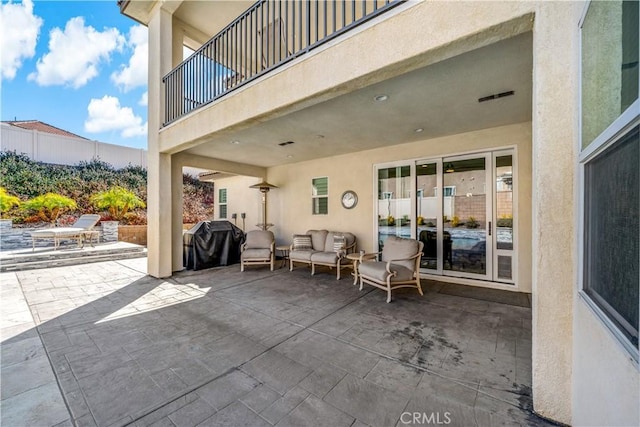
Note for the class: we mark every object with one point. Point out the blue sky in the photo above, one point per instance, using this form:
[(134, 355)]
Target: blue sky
[(77, 65)]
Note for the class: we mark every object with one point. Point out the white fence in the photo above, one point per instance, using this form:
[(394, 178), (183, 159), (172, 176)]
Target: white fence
[(64, 150)]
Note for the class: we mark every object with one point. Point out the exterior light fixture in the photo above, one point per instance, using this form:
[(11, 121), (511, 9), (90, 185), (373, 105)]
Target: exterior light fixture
[(264, 188), (380, 98), (419, 130)]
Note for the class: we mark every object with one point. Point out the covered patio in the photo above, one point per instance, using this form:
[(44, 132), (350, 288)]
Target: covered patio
[(220, 347)]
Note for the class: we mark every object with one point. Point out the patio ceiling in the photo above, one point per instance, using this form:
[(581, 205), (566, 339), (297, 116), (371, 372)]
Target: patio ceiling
[(441, 99)]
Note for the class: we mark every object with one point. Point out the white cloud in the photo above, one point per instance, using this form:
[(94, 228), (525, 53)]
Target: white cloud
[(135, 73), (19, 29), (75, 53), (144, 99), (106, 114)]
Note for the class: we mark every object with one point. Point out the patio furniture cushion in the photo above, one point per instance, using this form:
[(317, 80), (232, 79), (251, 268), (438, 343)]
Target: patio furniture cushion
[(330, 240), (378, 270), (399, 248), (301, 255), (318, 239), (256, 253), (258, 240), (339, 244), (324, 257), (302, 242)]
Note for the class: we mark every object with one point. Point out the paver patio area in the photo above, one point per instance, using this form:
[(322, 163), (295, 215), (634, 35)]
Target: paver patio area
[(259, 348)]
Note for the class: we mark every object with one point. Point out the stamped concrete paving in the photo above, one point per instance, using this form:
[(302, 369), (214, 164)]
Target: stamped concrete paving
[(220, 347)]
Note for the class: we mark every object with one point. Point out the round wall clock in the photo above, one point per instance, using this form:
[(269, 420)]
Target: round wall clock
[(349, 199)]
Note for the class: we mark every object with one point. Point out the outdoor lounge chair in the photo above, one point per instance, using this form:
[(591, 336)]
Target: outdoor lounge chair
[(399, 267), (259, 248), (76, 231)]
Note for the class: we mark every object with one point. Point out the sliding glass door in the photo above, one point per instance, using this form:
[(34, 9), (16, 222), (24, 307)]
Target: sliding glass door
[(466, 216), (394, 202), (460, 207)]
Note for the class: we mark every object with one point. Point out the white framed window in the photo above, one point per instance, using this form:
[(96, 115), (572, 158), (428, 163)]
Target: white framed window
[(222, 203), (447, 191), (609, 236), (320, 196)]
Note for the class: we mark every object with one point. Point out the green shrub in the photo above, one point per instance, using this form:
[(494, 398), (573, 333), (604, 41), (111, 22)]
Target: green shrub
[(49, 206), (472, 223), (26, 178), (118, 201), (7, 201)]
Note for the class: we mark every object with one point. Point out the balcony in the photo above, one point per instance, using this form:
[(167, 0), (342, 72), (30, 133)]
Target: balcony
[(266, 36)]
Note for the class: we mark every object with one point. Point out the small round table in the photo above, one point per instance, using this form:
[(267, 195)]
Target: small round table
[(285, 253), (356, 257)]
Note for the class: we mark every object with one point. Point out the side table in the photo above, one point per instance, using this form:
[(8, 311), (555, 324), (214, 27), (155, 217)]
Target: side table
[(285, 253), (357, 258)]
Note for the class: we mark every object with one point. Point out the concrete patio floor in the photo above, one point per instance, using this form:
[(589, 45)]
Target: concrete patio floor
[(104, 344)]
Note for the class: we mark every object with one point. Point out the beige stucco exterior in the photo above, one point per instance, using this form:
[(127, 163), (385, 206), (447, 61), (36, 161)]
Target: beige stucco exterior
[(579, 375)]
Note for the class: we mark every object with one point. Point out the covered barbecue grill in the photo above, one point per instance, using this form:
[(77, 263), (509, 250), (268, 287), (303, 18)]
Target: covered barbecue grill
[(211, 244)]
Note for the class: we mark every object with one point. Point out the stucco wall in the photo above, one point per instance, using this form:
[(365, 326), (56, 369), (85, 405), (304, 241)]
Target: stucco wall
[(290, 205), (606, 381), (241, 198)]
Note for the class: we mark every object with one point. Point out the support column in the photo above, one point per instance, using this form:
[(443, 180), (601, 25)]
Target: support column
[(159, 200), (177, 194), (555, 140)]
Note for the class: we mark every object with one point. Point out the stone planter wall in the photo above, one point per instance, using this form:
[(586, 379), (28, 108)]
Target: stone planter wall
[(133, 234), (109, 231)]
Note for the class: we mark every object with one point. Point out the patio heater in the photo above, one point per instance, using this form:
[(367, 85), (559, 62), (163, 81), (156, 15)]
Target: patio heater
[(264, 188)]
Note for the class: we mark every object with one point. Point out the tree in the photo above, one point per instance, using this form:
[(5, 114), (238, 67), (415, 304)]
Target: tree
[(118, 201), (50, 206), (7, 201)]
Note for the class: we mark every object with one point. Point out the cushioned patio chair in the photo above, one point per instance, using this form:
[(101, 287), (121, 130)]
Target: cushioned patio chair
[(258, 248), (399, 267), (76, 231)]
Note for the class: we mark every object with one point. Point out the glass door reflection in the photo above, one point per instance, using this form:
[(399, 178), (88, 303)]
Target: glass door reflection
[(465, 207), (394, 203), (427, 213)]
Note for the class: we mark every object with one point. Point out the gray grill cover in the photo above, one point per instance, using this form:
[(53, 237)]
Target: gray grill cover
[(211, 244)]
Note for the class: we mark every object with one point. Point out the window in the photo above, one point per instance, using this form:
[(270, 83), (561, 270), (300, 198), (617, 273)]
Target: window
[(449, 191), (222, 202), (609, 161), (320, 195)]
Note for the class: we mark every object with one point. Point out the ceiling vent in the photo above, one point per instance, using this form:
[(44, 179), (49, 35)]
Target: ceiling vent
[(495, 96)]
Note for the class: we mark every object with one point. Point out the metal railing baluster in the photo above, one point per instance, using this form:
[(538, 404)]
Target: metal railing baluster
[(246, 48)]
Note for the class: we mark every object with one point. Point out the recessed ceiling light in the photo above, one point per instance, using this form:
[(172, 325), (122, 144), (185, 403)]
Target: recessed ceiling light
[(235, 142), (319, 136), (289, 156), (380, 98), (418, 130)]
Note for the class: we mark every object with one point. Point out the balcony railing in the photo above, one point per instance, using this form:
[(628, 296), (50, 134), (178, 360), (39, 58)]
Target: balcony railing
[(269, 34)]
